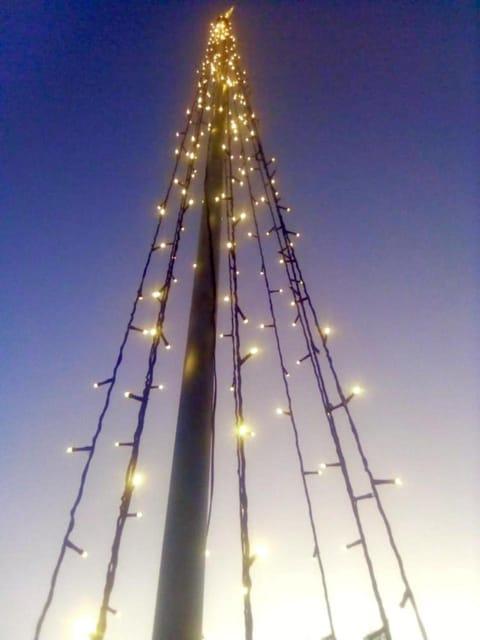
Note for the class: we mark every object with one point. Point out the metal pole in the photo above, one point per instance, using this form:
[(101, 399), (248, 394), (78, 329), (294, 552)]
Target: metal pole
[(179, 607)]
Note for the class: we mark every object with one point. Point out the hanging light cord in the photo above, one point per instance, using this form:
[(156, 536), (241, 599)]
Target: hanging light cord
[(291, 414), (105, 408)]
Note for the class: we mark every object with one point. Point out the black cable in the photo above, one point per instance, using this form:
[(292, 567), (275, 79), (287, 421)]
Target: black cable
[(99, 426), (238, 401), (298, 280), (294, 280), (132, 463), (283, 368)]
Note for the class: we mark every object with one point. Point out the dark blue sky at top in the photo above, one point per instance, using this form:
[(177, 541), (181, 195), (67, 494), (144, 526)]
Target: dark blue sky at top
[(372, 111), (370, 108)]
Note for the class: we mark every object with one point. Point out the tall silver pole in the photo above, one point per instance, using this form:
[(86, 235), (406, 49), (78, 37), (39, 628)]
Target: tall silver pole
[(179, 607)]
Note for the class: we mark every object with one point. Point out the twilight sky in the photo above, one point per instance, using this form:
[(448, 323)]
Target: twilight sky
[(370, 109)]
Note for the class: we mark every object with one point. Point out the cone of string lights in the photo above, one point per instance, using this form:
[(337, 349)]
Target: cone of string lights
[(221, 173)]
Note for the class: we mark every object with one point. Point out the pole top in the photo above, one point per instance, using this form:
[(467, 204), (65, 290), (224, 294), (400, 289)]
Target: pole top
[(227, 15)]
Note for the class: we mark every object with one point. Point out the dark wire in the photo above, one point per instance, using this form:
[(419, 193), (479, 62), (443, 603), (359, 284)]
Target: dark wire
[(289, 398), (298, 280), (132, 463), (294, 280), (238, 399), (99, 427)]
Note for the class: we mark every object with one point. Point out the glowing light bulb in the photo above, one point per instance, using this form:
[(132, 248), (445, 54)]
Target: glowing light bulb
[(279, 411), (127, 394), (69, 450), (357, 391), (260, 551), (137, 479), (244, 431), (327, 331), (83, 628), (253, 351), (149, 332), (398, 482)]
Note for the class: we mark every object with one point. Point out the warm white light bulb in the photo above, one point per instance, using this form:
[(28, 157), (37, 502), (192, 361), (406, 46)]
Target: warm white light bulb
[(244, 430), (260, 551), (137, 479), (83, 628), (356, 390)]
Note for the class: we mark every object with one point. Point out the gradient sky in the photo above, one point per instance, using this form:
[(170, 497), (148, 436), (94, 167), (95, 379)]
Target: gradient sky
[(370, 109)]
